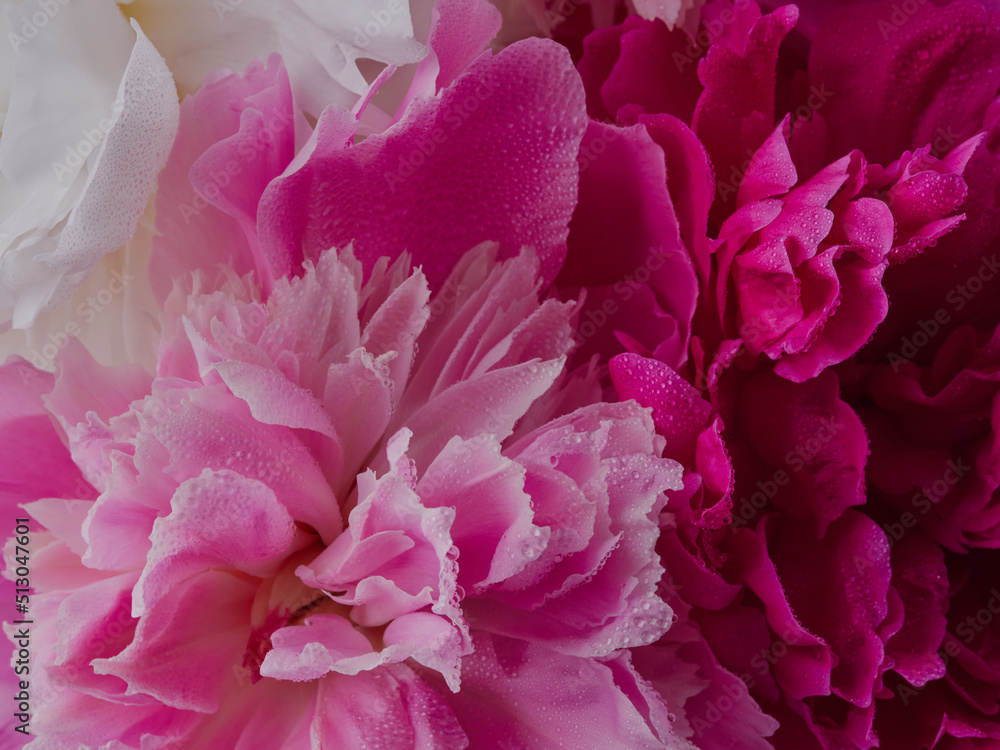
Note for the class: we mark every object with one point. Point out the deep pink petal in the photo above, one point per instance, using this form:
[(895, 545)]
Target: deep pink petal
[(34, 462), (927, 75), (367, 193), (814, 438)]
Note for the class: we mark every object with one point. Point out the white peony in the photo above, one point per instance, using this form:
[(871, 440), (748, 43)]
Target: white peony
[(89, 109), (91, 117)]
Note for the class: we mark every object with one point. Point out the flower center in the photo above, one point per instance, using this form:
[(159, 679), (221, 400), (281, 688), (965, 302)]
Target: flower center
[(284, 600)]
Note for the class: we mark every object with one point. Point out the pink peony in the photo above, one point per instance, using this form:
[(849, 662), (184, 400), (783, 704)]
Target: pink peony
[(380, 508)]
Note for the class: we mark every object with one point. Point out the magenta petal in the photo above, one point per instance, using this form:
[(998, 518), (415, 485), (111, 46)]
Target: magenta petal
[(804, 670), (920, 577), (863, 305), (736, 110), (653, 71), (817, 440), (686, 672), (679, 412), (333, 133), (770, 172), (449, 152), (837, 587), (601, 49), (929, 76), (624, 235)]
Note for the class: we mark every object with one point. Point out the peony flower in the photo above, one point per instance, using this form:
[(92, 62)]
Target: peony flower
[(694, 447), (103, 83), (902, 217), (91, 116), (360, 519), (325, 46)]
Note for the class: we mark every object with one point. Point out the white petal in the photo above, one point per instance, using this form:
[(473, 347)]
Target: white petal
[(320, 40), (64, 82)]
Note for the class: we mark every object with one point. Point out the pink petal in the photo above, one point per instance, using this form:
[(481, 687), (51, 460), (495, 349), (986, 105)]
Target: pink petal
[(525, 695), (324, 643), (460, 31), (219, 519), (34, 462), (391, 702), (367, 192), (193, 233), (216, 431), (175, 658), (493, 528)]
